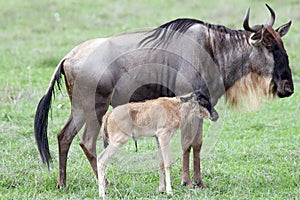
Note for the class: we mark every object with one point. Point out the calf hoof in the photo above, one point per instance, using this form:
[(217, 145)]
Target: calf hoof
[(162, 189), (200, 185), (102, 194), (169, 192)]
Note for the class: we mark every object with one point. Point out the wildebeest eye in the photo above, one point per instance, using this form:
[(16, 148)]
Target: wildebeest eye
[(269, 46), (203, 101)]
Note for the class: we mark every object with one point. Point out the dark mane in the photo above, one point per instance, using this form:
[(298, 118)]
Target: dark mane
[(162, 34), (221, 29), (181, 25)]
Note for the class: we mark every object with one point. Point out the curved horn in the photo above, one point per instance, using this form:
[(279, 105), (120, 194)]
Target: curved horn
[(272, 20), (246, 23)]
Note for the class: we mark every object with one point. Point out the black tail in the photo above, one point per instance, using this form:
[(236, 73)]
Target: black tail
[(41, 116)]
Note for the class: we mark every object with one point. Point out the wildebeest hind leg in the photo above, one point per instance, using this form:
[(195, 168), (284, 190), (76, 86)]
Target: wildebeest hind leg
[(88, 142), (65, 137), (92, 128)]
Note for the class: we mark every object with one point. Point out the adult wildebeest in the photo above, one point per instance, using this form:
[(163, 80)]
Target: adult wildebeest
[(176, 58), (157, 117)]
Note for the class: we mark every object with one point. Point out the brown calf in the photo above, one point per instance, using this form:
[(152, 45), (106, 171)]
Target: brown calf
[(159, 118)]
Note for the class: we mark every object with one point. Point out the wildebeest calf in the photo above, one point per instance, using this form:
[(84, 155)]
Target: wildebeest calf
[(160, 118)]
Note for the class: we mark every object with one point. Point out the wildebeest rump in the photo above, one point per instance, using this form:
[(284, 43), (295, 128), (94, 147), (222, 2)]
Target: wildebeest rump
[(176, 58)]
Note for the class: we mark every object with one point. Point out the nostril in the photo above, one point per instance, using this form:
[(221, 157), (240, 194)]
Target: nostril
[(288, 89), (214, 116)]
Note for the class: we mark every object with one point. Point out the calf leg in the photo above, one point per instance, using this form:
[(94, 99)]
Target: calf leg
[(102, 161), (65, 137), (164, 142), (105, 155), (161, 169)]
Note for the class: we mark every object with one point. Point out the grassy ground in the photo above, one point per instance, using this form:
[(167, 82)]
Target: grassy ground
[(256, 156)]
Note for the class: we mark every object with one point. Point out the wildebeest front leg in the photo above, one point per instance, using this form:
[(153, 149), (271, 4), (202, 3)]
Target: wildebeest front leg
[(196, 145), (186, 180), (190, 133)]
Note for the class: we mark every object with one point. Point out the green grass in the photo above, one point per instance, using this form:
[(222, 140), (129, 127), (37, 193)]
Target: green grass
[(256, 155)]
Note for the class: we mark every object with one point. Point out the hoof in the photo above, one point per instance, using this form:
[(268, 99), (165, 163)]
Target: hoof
[(186, 184), (102, 194), (183, 183), (61, 186), (161, 189), (169, 192), (200, 185)]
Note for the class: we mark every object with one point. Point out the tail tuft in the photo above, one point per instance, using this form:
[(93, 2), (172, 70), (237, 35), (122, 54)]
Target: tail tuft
[(41, 117)]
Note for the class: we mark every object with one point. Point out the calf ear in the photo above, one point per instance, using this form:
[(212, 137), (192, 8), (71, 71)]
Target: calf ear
[(186, 99), (282, 30)]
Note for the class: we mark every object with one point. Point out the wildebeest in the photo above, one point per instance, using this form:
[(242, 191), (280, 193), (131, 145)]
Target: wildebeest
[(158, 118), (178, 57)]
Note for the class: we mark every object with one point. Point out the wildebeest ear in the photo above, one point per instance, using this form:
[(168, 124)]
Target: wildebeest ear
[(257, 37), (282, 30)]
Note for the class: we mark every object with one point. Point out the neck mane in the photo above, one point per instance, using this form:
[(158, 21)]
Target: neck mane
[(228, 49), (231, 52)]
